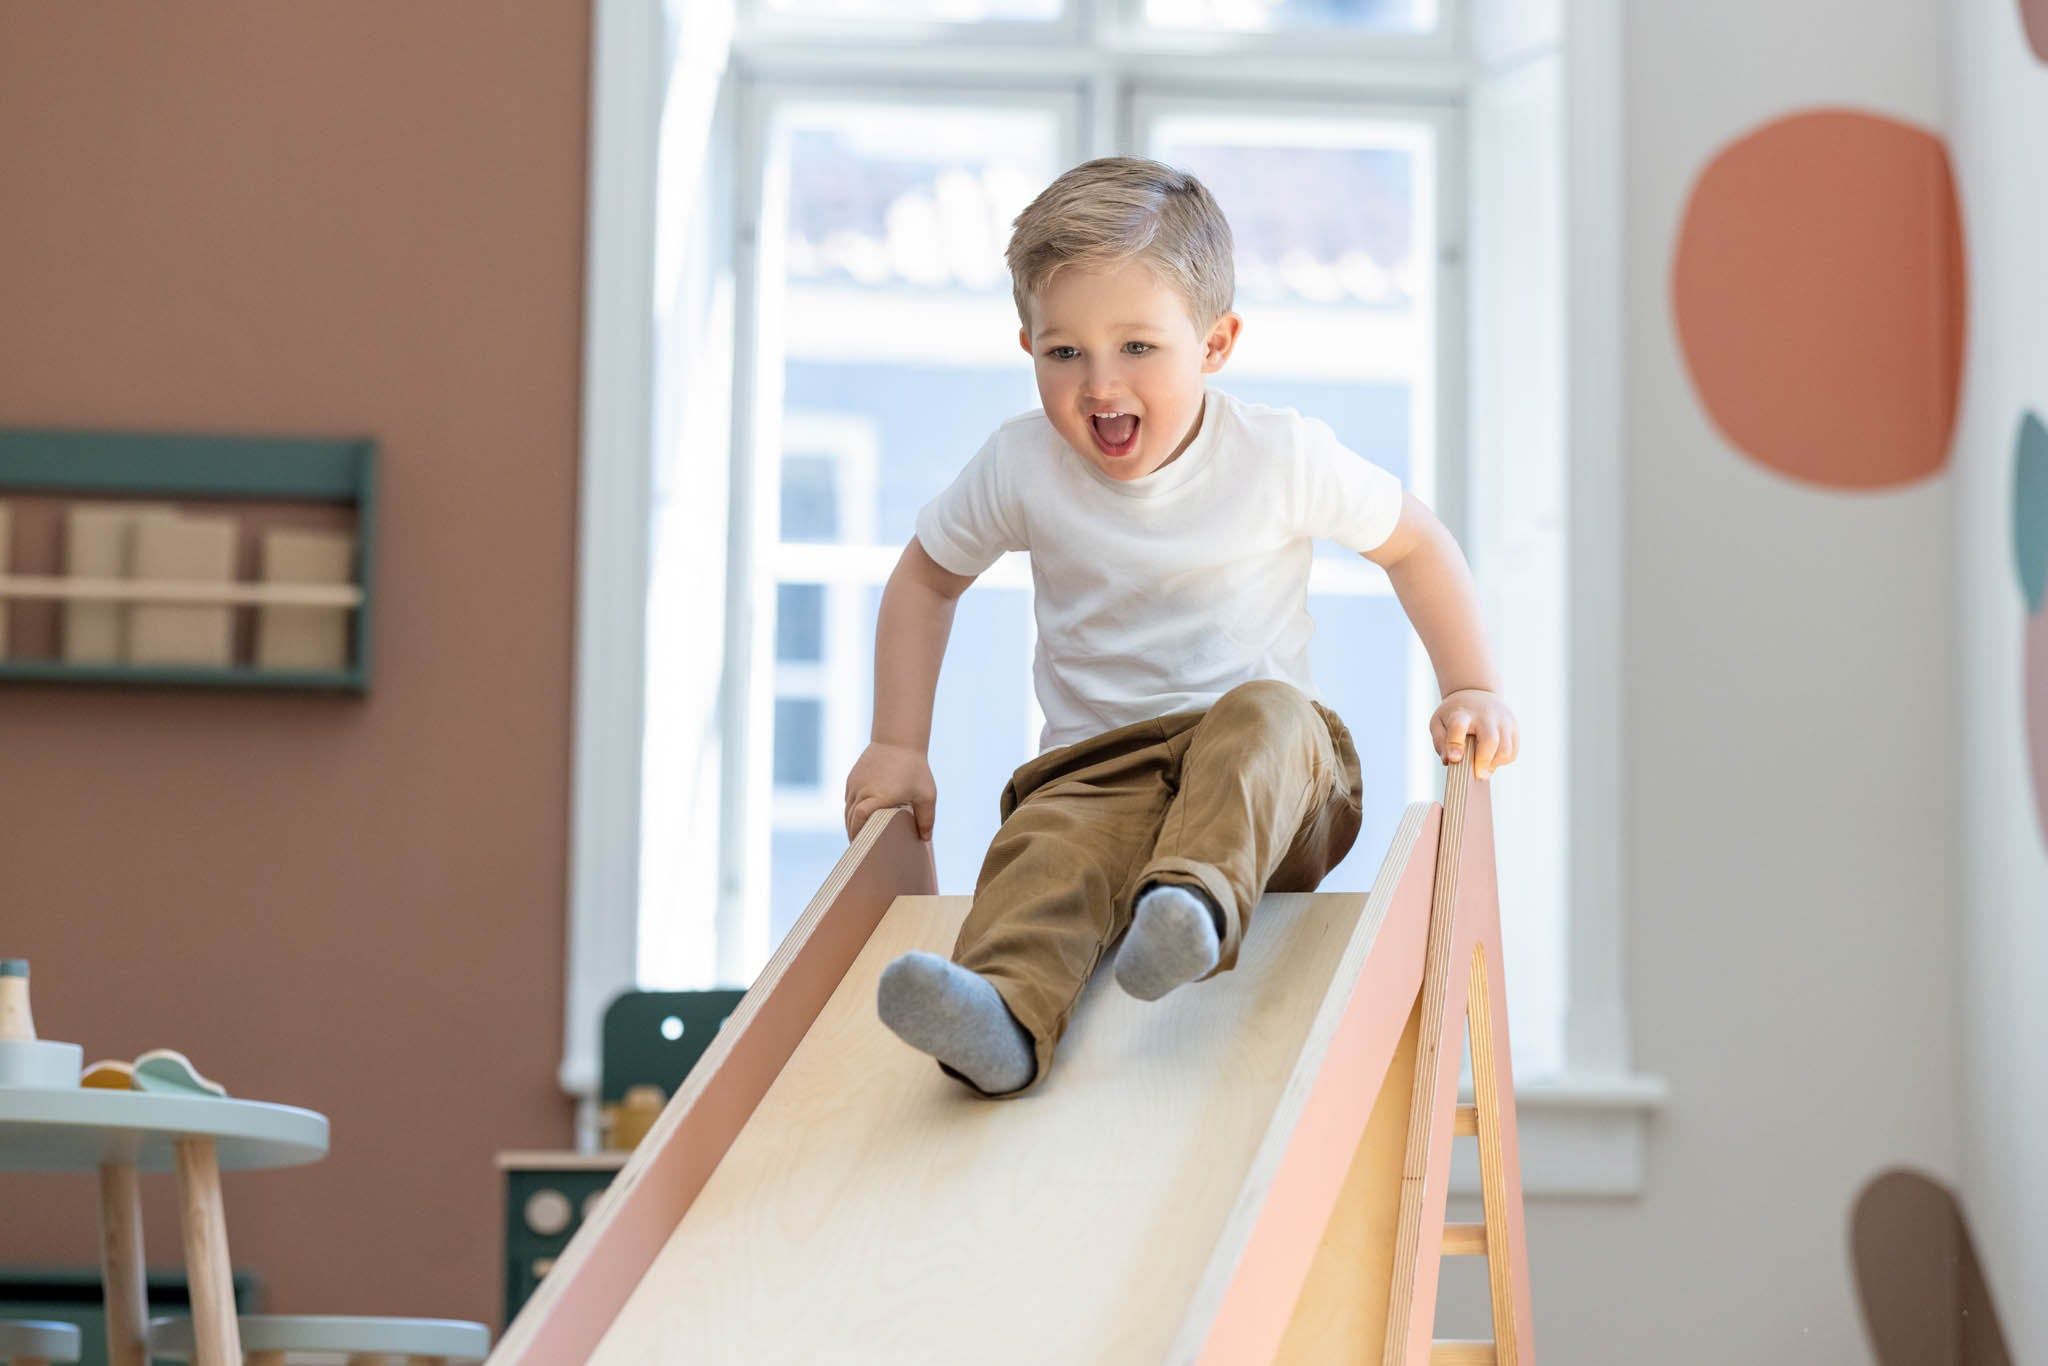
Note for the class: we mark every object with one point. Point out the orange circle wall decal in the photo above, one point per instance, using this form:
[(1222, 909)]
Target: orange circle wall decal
[(2034, 16), (1818, 290)]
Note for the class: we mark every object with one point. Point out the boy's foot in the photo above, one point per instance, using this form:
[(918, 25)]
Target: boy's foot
[(1175, 936), (956, 1015)]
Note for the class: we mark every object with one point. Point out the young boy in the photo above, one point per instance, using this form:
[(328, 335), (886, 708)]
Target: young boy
[(1186, 765)]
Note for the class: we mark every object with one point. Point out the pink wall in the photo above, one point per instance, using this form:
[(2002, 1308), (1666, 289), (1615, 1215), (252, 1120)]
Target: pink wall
[(326, 218)]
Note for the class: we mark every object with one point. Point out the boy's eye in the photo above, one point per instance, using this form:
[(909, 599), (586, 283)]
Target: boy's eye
[(1142, 347)]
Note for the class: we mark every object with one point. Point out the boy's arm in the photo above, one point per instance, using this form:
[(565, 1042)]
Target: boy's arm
[(911, 630), (1435, 587)]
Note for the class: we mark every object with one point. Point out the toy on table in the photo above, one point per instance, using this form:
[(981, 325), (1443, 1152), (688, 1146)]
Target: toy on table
[(164, 1071), (26, 1060)]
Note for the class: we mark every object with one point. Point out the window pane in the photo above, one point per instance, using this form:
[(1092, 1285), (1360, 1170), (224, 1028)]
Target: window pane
[(892, 313), (810, 498), (1362, 16), (982, 729), (941, 11), (799, 623), (799, 731), (1335, 233), (889, 332), (1359, 655)]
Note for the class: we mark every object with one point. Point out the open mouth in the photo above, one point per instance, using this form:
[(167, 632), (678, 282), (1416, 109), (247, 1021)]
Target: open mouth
[(1116, 434)]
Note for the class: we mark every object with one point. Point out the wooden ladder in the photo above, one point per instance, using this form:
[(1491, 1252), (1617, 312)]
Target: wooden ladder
[(1466, 929)]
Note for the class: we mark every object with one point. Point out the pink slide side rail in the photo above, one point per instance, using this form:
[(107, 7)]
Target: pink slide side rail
[(1319, 1136), (604, 1262), (1323, 1137)]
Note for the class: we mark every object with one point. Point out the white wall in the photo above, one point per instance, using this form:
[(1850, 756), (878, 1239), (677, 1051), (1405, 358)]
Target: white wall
[(1998, 111), (1789, 867)]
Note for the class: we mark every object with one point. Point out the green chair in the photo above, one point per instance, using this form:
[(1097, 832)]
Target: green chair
[(267, 1339), (654, 1038), (648, 1039), (36, 1342)]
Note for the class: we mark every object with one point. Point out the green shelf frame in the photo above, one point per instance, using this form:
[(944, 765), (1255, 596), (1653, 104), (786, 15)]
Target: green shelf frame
[(342, 471)]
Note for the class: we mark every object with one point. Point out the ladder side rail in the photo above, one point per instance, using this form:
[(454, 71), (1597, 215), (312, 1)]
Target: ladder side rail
[(1425, 1185)]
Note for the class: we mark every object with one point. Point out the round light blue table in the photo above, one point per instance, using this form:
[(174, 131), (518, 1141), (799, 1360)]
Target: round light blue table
[(120, 1134)]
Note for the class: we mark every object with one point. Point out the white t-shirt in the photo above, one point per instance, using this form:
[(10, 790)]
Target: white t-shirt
[(1161, 594)]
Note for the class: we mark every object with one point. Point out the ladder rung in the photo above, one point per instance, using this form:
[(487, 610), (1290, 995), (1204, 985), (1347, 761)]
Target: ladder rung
[(1453, 1352), (1464, 1240), (1468, 1121)]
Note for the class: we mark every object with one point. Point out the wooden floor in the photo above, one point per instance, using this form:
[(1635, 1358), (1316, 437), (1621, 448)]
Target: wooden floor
[(873, 1209)]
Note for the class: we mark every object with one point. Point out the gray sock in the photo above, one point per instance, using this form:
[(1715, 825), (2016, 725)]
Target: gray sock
[(1173, 939), (956, 1015)]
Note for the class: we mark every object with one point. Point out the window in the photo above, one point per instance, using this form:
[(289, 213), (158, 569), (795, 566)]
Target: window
[(833, 335), (873, 210)]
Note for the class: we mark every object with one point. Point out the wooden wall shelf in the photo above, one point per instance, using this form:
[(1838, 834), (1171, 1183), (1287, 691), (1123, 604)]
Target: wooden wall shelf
[(136, 465)]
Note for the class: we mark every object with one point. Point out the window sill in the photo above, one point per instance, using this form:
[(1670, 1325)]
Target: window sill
[(1581, 1136)]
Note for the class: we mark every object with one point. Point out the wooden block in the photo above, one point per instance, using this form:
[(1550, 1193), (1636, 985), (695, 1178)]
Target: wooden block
[(305, 637), (99, 543), (1464, 1240), (188, 549), (6, 522)]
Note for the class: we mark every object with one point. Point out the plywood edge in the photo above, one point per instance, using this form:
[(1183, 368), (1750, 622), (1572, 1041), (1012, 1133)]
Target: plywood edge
[(1425, 1174), (1242, 1306), (1479, 915), (604, 1262)]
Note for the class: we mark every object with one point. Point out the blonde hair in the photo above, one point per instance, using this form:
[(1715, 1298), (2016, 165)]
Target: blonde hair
[(1105, 212)]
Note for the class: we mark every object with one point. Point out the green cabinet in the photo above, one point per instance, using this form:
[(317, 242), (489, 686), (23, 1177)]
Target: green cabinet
[(548, 1196)]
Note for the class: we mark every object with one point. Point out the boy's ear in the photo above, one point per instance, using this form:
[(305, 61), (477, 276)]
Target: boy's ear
[(1222, 339), (1024, 339)]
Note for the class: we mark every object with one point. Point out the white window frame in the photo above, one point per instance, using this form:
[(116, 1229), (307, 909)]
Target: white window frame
[(850, 440), (1582, 1132)]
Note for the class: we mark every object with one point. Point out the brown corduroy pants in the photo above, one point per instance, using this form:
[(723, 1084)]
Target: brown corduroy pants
[(1259, 792)]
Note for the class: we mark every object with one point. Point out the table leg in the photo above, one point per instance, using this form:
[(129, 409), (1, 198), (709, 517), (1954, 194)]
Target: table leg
[(217, 1338), (121, 1272)]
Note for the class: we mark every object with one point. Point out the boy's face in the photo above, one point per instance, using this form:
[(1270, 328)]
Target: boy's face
[(1120, 341)]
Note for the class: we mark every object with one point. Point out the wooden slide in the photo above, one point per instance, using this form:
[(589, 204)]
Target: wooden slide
[(1252, 1169)]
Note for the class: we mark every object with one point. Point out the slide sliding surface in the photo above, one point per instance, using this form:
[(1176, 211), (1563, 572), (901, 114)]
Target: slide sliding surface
[(1166, 1195)]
